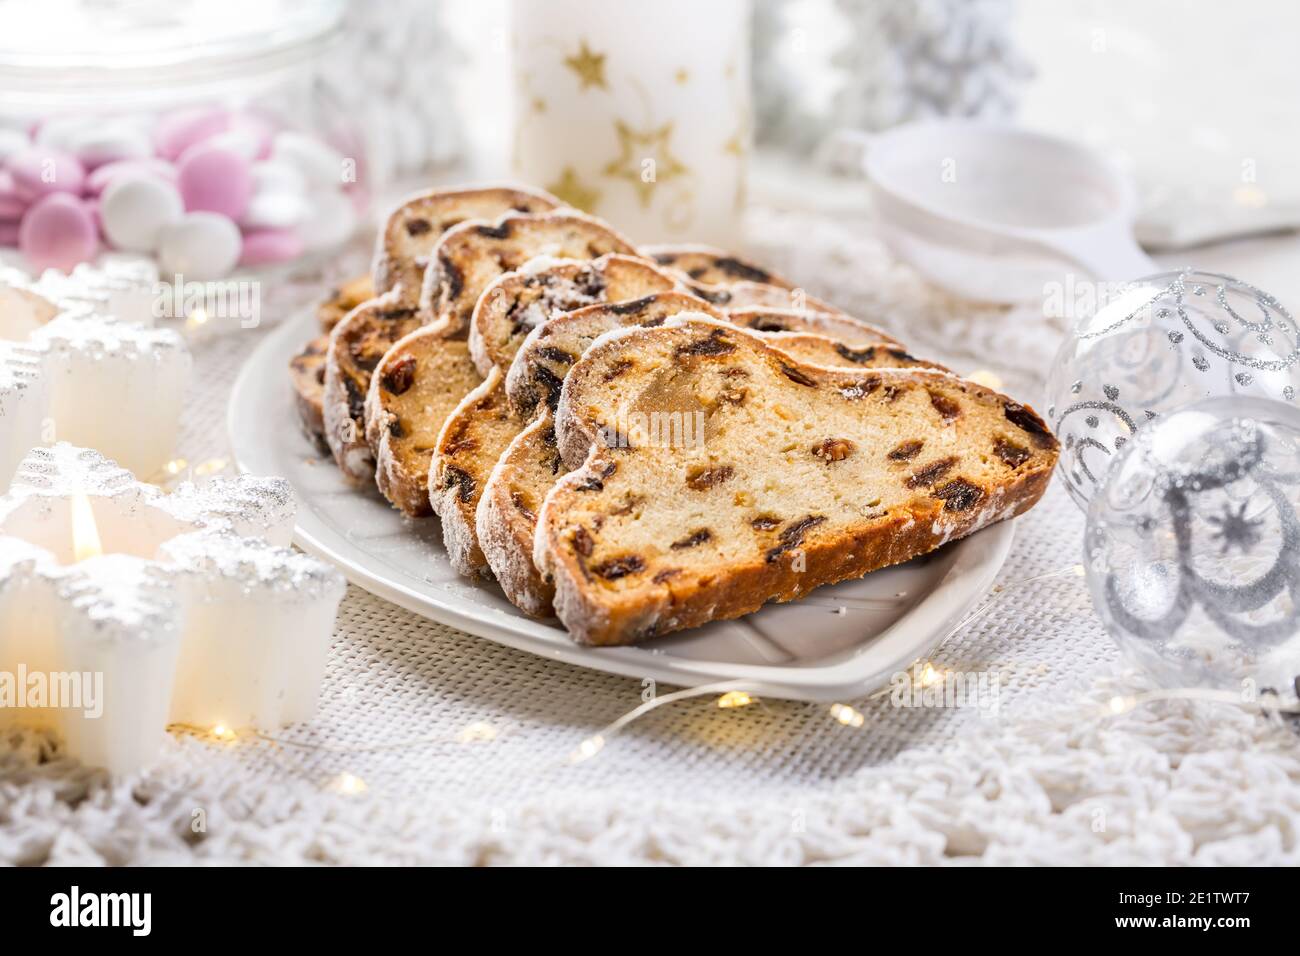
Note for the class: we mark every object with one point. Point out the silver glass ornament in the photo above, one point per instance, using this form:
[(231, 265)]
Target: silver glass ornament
[(1157, 345), (1192, 547)]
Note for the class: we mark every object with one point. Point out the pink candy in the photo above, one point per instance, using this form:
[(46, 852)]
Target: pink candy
[(176, 133), (58, 232), (12, 205), (269, 246), (38, 171), (212, 179)]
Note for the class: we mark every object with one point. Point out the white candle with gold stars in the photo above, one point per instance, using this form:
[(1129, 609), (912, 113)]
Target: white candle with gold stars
[(637, 112)]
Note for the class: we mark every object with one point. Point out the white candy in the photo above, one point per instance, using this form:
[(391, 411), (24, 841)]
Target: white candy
[(321, 164), (241, 142), (200, 246), (102, 144), (279, 177), (11, 141), (331, 220), (274, 210), (279, 196), (61, 132), (134, 210)]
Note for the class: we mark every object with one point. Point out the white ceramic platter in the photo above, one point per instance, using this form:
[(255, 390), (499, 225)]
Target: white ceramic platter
[(841, 642)]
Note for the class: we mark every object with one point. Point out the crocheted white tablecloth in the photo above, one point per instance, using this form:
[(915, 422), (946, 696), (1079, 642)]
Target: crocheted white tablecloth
[(1049, 779)]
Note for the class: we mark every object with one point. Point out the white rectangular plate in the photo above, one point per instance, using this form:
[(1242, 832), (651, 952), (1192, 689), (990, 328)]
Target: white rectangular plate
[(841, 642)]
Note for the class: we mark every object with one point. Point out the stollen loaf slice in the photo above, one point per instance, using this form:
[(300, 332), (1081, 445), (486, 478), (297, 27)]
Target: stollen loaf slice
[(417, 384), (480, 428), (356, 346), (506, 519), (803, 476), (472, 439), (415, 226), (745, 294), (471, 255), (550, 350), (712, 266), (342, 300), (517, 302), (307, 373), (836, 325)]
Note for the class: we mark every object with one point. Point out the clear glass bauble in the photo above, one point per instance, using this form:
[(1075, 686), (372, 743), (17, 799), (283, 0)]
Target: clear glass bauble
[(1192, 547), (1158, 345)]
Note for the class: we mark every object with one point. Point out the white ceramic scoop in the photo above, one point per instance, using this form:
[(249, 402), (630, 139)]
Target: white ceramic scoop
[(993, 212)]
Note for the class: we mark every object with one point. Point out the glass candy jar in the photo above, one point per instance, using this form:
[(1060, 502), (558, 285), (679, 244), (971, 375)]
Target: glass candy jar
[(198, 136)]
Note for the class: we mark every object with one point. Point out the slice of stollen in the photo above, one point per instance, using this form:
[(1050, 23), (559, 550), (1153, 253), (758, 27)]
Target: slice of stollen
[(357, 345), (803, 476), (550, 350), (517, 302), (712, 266), (837, 325), (307, 373), (471, 255), (506, 518), (417, 384), (742, 295), (342, 300), (415, 226)]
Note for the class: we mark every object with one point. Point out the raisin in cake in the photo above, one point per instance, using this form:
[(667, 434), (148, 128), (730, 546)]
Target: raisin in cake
[(414, 228), (527, 470), (516, 303), (805, 476), (471, 255)]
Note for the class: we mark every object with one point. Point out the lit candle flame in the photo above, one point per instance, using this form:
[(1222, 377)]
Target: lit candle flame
[(85, 535)]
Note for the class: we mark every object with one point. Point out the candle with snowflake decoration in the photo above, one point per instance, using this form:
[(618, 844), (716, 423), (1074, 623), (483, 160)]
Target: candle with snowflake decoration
[(639, 113)]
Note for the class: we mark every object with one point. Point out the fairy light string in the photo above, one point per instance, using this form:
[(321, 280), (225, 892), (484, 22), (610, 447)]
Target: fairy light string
[(923, 674)]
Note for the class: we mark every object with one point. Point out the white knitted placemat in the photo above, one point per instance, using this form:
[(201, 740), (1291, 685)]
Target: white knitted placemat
[(406, 704)]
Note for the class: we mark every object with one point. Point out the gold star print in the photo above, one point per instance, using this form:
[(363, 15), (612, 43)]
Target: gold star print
[(682, 76), (645, 159), (569, 189), (539, 105), (588, 66)]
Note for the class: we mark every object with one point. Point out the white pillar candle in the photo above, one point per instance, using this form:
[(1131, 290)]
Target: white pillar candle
[(181, 606), (106, 383), (116, 387), (637, 112), (24, 399), (260, 619), (119, 632)]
